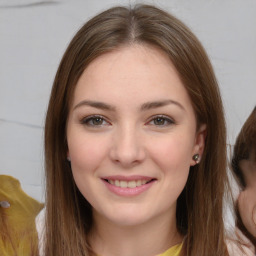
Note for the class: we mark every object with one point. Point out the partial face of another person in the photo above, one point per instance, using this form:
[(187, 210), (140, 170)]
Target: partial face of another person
[(247, 198), (131, 135)]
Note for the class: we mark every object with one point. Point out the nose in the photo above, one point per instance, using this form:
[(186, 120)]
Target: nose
[(127, 148)]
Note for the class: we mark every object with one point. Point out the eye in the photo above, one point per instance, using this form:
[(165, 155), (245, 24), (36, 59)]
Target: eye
[(161, 121), (95, 121)]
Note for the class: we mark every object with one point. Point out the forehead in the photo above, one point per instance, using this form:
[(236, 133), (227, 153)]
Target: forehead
[(143, 71), (138, 60)]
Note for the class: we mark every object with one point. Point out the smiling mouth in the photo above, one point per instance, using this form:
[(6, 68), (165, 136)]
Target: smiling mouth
[(129, 184)]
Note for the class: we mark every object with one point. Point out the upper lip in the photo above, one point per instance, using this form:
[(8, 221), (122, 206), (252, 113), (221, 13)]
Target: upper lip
[(127, 178)]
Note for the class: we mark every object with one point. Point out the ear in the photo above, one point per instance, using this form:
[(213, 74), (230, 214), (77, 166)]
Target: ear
[(199, 143)]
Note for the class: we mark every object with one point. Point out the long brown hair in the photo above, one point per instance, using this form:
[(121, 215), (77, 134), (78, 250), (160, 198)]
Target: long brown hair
[(199, 207)]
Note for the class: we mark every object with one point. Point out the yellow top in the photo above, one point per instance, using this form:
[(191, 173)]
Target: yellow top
[(18, 234), (173, 251)]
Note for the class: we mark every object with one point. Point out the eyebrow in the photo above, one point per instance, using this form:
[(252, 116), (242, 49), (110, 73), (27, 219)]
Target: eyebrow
[(144, 107), (95, 104), (158, 104)]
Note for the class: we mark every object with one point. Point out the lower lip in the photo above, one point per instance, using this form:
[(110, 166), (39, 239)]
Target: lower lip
[(128, 191)]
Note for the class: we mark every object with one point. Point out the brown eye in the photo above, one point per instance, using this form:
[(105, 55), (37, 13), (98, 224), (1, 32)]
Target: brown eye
[(97, 121), (94, 121), (161, 121)]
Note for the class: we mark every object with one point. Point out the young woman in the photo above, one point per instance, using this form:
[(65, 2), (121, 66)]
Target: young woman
[(244, 168), (135, 141)]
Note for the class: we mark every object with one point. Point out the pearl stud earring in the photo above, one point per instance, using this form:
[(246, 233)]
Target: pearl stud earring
[(196, 158)]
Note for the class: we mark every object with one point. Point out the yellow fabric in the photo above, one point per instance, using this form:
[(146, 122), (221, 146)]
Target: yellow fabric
[(173, 251), (18, 235)]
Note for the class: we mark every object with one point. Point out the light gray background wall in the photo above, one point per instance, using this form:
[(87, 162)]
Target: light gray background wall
[(34, 35)]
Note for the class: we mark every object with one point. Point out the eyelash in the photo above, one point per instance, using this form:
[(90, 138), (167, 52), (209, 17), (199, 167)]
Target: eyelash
[(87, 121), (164, 121)]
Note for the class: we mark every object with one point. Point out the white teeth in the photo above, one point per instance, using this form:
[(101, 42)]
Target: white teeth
[(123, 184), (128, 184), (131, 184), (138, 183)]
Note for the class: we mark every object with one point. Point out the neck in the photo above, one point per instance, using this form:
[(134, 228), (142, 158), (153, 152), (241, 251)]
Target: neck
[(146, 239)]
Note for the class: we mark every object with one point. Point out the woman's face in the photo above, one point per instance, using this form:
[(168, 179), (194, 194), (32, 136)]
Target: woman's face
[(131, 136), (247, 198)]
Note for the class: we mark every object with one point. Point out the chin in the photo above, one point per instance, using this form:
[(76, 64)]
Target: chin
[(125, 217), (128, 221)]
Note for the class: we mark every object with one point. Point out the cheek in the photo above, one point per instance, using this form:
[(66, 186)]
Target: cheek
[(172, 153), (86, 152), (243, 205), (246, 203), (172, 158)]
